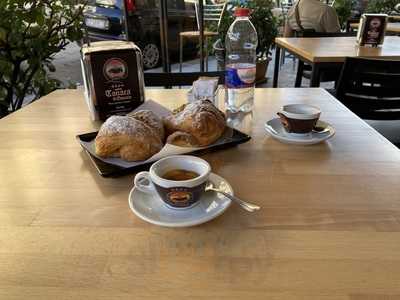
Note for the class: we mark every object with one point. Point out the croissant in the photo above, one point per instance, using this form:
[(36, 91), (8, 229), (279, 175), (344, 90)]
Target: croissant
[(135, 137), (198, 123), (150, 119)]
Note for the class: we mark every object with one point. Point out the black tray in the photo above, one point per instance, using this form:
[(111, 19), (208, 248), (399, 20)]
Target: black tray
[(109, 170)]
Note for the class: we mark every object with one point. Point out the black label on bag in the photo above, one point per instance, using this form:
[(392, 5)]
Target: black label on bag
[(116, 82)]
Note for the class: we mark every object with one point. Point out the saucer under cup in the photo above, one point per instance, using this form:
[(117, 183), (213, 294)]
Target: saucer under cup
[(151, 208), (275, 128)]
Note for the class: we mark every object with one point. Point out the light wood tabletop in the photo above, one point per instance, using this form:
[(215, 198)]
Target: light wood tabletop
[(391, 27), (329, 227), (336, 49)]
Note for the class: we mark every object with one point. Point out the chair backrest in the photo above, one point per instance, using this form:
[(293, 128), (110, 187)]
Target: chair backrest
[(371, 88), (329, 2), (179, 79), (285, 5), (212, 13)]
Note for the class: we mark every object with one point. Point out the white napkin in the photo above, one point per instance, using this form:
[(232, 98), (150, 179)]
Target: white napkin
[(203, 88)]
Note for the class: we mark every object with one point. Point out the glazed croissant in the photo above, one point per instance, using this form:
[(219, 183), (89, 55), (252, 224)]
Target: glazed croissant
[(198, 123)]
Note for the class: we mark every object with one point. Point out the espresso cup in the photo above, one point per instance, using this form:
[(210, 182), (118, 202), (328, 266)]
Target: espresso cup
[(177, 194), (299, 118)]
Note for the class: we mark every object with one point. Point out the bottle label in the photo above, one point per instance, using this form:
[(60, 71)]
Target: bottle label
[(240, 76)]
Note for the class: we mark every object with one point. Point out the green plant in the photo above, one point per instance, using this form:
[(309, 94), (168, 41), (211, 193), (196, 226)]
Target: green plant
[(31, 33), (264, 21), (343, 9), (381, 6)]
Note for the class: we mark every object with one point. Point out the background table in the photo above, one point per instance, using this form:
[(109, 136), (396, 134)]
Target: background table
[(391, 27), (329, 227), (330, 53)]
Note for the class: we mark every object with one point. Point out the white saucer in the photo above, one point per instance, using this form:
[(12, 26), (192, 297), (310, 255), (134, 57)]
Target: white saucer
[(150, 208), (275, 128)]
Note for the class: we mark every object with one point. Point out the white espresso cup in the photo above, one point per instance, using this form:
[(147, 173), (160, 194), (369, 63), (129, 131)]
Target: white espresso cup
[(177, 194), (299, 118)]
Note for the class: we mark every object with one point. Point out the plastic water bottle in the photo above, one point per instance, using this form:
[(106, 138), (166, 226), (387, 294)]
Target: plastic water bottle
[(240, 44)]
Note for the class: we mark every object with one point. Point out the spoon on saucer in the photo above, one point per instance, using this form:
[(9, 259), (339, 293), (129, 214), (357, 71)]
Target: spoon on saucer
[(245, 205), (320, 129)]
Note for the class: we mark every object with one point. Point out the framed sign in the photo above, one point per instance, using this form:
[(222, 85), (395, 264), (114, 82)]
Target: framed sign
[(371, 30)]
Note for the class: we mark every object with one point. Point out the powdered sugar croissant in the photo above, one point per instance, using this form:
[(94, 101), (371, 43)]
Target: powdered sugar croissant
[(135, 137)]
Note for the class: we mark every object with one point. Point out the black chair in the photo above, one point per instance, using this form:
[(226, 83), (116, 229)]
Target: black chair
[(179, 79), (370, 88), (305, 70)]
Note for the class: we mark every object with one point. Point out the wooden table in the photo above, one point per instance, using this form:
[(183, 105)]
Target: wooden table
[(329, 227), (329, 53), (391, 27)]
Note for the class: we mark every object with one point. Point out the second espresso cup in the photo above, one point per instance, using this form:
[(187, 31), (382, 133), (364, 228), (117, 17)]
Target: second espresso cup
[(299, 118), (179, 180)]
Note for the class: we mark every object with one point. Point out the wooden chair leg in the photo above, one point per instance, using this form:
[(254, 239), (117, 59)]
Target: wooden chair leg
[(294, 62), (206, 46), (180, 53), (276, 66), (315, 75), (282, 58), (299, 75)]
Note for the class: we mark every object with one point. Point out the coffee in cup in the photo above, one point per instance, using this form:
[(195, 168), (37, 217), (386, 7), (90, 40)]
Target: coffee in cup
[(299, 118), (179, 180), (179, 175)]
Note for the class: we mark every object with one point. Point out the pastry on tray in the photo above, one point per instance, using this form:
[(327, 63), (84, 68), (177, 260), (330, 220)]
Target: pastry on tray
[(151, 119), (137, 136), (196, 124)]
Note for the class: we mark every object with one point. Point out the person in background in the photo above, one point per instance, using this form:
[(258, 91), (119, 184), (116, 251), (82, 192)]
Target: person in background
[(311, 15)]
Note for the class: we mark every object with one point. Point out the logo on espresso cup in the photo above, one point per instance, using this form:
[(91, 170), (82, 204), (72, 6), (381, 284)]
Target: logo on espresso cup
[(178, 197), (178, 180)]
